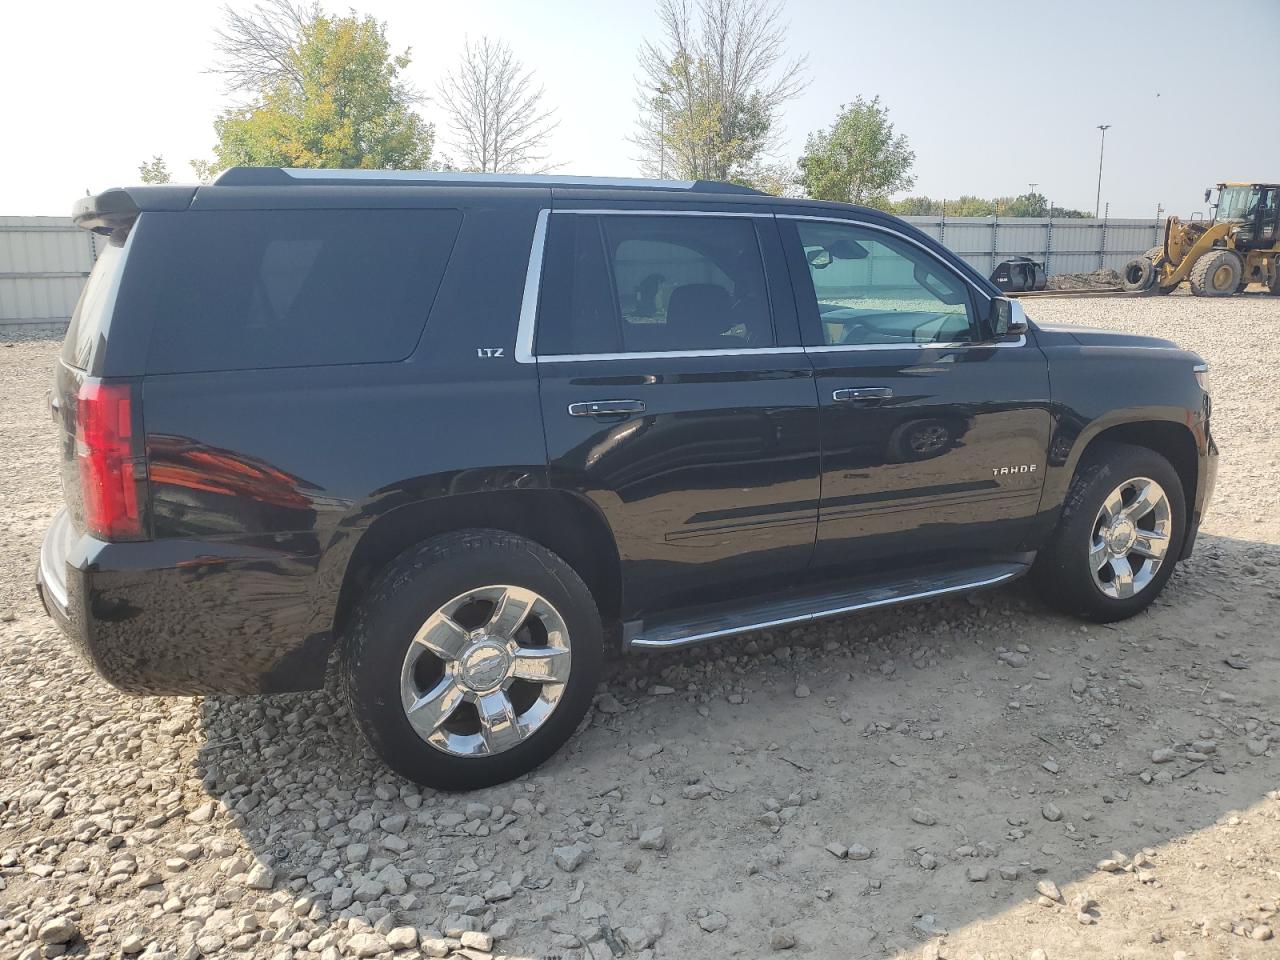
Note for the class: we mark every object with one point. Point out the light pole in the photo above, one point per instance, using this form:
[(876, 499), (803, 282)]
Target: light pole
[(1097, 203)]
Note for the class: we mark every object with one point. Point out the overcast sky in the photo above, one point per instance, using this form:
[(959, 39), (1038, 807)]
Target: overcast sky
[(992, 96)]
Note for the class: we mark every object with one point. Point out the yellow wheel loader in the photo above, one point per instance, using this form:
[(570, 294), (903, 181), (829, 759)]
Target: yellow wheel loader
[(1220, 257)]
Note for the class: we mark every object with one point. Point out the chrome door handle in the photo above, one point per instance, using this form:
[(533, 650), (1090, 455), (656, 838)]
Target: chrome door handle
[(605, 408), (861, 393)]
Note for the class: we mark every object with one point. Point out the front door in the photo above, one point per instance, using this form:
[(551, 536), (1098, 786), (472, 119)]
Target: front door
[(934, 435), (676, 396)]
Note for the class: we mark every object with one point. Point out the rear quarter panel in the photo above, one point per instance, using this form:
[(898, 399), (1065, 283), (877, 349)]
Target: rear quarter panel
[(285, 468)]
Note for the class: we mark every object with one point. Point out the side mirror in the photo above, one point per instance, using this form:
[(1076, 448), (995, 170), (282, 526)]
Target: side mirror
[(846, 249), (819, 257), (1207, 191), (1007, 318)]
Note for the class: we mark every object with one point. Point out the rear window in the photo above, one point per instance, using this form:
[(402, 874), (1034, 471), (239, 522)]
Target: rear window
[(87, 331), (236, 290)]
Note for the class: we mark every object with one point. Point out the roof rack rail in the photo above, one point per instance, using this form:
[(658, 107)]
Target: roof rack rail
[(282, 176)]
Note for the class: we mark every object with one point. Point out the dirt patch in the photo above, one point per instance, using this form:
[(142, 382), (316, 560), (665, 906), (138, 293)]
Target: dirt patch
[(963, 778), (1101, 279)]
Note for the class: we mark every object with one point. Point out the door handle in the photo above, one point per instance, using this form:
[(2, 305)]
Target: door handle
[(854, 394), (605, 408)]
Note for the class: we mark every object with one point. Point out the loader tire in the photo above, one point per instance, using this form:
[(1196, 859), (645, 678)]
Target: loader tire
[(1139, 274), (1274, 284), (1216, 274)]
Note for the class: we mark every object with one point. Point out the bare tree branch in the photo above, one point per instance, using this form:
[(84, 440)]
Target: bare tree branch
[(495, 112), (711, 90), (256, 47)]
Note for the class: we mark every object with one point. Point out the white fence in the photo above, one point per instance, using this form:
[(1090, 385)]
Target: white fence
[(1063, 246), (43, 265), (44, 260)]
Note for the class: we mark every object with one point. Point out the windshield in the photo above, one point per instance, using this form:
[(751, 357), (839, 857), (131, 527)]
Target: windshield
[(1237, 203)]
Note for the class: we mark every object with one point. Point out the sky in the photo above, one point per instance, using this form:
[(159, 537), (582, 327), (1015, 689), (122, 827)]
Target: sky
[(992, 96)]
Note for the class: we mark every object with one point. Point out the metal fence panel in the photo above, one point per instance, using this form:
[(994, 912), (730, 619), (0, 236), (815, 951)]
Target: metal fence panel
[(43, 265), (1062, 245)]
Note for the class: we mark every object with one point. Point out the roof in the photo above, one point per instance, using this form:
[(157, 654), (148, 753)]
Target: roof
[(283, 176), (1247, 183)]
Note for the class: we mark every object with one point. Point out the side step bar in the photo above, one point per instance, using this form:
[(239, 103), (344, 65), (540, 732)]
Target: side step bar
[(722, 620)]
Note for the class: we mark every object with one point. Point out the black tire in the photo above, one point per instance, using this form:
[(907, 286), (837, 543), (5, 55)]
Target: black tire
[(1062, 569), (1216, 274), (1139, 274), (417, 584)]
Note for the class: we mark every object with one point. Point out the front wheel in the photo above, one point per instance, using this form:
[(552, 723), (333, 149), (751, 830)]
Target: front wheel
[(1217, 274), (1120, 533), (472, 659)]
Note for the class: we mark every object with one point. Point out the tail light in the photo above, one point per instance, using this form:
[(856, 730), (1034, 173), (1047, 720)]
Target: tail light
[(106, 452)]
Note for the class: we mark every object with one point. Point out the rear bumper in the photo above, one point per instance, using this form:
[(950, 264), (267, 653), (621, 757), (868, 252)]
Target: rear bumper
[(187, 616)]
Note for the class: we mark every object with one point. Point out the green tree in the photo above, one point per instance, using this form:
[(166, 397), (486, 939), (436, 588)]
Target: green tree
[(966, 205), (859, 159), (1026, 205), (712, 89), (154, 170), (331, 94)]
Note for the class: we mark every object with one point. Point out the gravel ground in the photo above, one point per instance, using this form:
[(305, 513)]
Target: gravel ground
[(970, 778)]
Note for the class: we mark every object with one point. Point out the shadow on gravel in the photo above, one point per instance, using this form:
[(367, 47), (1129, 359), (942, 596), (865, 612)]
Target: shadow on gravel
[(974, 746)]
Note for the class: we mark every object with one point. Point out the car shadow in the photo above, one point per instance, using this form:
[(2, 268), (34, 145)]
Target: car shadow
[(973, 746)]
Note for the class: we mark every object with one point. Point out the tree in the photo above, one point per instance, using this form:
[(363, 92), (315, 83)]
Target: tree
[(966, 205), (324, 92), (495, 112), (258, 47), (1027, 205), (859, 159), (154, 170), (711, 90)]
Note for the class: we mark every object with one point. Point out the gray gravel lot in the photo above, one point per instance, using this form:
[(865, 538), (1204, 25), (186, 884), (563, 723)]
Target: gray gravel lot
[(969, 778)]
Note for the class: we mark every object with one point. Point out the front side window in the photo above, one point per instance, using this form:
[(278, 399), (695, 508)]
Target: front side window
[(873, 288), (652, 284)]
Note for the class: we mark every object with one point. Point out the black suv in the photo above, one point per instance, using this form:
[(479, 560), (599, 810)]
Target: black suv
[(450, 432)]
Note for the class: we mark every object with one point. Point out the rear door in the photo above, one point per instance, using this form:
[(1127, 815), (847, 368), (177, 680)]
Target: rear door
[(934, 434), (677, 397)]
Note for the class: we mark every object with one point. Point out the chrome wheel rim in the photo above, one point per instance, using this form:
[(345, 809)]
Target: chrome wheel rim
[(1131, 537), (485, 671)]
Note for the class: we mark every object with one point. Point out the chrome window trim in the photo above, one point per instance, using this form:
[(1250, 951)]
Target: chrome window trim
[(525, 329), (526, 326), (604, 212), (666, 354), (532, 287)]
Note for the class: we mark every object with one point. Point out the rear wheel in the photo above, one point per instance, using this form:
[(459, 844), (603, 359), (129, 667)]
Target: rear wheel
[(1120, 533), (1274, 284), (1216, 274), (472, 659)]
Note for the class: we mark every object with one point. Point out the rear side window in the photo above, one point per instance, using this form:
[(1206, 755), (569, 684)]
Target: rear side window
[(237, 290), (652, 284), (87, 332)]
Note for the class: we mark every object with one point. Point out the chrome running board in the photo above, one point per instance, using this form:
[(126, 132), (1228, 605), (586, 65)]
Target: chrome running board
[(723, 620)]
